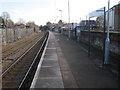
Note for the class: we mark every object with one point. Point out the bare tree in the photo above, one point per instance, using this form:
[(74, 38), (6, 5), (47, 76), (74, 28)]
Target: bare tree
[(49, 25), (100, 22), (10, 23), (21, 21), (31, 24), (1, 22), (6, 17)]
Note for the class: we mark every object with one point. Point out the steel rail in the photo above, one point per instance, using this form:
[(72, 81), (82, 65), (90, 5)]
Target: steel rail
[(30, 68), (19, 42), (18, 60), (17, 49)]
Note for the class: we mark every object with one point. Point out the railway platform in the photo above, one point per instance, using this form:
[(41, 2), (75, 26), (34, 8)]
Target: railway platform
[(65, 65)]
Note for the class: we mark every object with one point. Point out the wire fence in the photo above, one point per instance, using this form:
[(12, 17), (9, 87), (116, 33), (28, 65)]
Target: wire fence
[(12, 34)]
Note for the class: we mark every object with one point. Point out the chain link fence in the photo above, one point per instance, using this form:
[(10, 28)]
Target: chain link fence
[(12, 34)]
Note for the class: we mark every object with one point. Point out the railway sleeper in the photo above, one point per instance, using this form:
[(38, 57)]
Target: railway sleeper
[(17, 73), (12, 77), (8, 84)]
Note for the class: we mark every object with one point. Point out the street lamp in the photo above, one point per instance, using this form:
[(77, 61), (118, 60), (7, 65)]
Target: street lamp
[(61, 14), (68, 20), (107, 41)]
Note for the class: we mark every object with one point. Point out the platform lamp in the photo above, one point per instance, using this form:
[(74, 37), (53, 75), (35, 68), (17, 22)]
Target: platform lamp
[(61, 14), (68, 20)]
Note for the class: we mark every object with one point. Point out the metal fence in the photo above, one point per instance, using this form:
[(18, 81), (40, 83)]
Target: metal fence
[(12, 34)]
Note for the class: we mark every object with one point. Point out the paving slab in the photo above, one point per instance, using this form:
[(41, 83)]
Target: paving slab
[(49, 83), (48, 73), (66, 65)]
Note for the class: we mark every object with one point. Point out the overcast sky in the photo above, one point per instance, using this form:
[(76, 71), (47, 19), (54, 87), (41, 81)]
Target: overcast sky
[(41, 11)]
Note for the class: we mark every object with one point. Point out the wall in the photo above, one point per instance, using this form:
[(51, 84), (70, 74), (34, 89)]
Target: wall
[(96, 45)]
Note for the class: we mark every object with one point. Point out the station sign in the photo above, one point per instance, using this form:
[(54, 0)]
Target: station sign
[(97, 13)]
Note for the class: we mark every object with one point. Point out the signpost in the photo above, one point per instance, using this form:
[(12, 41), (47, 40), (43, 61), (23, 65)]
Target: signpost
[(107, 41), (97, 13)]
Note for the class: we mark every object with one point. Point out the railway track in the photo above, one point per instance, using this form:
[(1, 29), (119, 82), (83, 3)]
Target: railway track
[(16, 50), (20, 73), (12, 50), (12, 46)]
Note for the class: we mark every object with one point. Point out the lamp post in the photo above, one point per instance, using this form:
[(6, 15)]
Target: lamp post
[(68, 20), (61, 14), (107, 41), (60, 24)]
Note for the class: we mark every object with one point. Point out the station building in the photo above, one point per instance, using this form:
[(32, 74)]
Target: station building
[(114, 17)]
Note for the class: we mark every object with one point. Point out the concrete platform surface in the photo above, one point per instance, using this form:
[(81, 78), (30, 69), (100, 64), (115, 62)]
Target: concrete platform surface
[(65, 65)]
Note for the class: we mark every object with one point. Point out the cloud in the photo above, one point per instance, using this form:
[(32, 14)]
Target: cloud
[(42, 11), (19, 1), (16, 11)]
